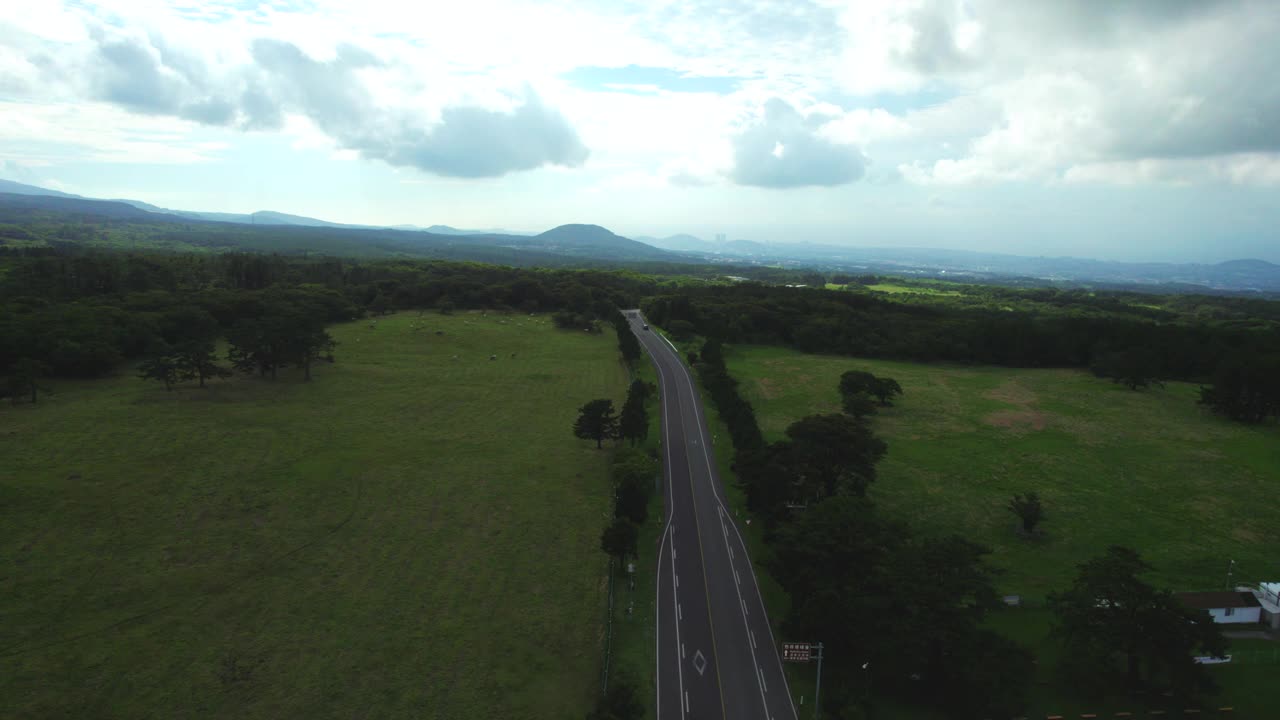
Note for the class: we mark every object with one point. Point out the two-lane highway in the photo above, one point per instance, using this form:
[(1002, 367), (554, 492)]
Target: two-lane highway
[(715, 649)]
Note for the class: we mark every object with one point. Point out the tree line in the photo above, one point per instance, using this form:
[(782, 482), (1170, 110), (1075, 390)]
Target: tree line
[(79, 314), (1020, 334)]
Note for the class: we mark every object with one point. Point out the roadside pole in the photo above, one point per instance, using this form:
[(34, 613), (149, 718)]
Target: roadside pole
[(817, 691), (804, 652)]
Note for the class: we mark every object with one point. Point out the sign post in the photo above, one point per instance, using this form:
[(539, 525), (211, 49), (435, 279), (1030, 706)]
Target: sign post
[(804, 652)]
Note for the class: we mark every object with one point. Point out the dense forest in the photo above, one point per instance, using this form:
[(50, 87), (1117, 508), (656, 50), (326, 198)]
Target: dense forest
[(72, 312), (1000, 326)]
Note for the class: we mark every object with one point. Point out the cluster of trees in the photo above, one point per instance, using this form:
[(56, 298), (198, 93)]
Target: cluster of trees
[(734, 410), (633, 472), (287, 332), (628, 344), (902, 609), (1246, 391), (1119, 631), (597, 420)]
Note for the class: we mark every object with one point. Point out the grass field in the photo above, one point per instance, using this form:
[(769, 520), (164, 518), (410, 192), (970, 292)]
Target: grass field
[(895, 289), (1146, 469), (410, 535), (1149, 469)]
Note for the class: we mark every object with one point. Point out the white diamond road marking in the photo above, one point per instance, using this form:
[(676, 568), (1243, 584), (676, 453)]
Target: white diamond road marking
[(699, 662)]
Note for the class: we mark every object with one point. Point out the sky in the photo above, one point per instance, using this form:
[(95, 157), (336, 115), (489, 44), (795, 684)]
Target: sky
[(1114, 129)]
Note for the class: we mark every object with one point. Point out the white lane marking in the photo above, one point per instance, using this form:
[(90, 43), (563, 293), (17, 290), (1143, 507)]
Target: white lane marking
[(677, 582), (753, 638), (676, 601), (686, 701), (700, 420), (737, 580), (682, 650), (727, 546), (764, 684), (679, 612), (744, 608), (670, 531)]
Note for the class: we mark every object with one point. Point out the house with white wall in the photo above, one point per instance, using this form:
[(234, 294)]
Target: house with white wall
[(1268, 596), (1225, 606)]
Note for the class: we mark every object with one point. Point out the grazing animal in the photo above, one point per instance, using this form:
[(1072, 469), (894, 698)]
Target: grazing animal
[(493, 357)]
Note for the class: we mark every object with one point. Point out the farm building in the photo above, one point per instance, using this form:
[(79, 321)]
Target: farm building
[(1268, 595), (1226, 606)]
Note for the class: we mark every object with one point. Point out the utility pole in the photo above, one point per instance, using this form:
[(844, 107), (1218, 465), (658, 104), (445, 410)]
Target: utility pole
[(803, 652), (817, 691), (1231, 564)]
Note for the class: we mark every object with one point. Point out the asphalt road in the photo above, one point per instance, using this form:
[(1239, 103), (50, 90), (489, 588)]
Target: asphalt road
[(716, 655)]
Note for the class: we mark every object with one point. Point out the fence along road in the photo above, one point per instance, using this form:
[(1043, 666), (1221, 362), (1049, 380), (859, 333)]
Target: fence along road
[(716, 656)]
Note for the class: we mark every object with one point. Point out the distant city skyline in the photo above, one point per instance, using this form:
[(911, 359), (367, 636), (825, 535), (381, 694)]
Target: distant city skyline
[(1130, 131)]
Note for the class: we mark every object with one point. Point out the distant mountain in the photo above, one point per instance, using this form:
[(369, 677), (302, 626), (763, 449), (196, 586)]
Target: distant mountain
[(749, 247), (17, 188), (681, 243), (578, 237), (32, 206)]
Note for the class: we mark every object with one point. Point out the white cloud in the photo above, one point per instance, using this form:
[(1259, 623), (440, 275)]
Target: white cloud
[(782, 148)]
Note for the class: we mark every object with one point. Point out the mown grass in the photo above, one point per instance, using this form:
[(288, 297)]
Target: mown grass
[(413, 534), (895, 289), (1150, 470)]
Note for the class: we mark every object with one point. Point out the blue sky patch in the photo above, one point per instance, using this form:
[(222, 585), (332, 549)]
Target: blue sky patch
[(634, 78)]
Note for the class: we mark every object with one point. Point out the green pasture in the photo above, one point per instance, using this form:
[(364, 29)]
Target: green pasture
[(1149, 469), (413, 534)]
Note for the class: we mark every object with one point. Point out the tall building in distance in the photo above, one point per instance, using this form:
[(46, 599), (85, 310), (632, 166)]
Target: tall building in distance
[(720, 238)]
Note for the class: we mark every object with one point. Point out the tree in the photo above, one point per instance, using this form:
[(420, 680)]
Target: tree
[(256, 345), (166, 367), (834, 453), (620, 702), (1135, 368), (1245, 391), (1029, 511), (596, 421), (632, 501), (619, 539), (858, 404), (24, 379), (858, 388), (628, 345), (1111, 616), (634, 421), (307, 342), (198, 358)]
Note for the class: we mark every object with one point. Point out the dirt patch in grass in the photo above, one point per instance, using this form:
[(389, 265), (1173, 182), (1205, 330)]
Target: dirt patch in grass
[(1012, 392), (768, 388), (1017, 419)]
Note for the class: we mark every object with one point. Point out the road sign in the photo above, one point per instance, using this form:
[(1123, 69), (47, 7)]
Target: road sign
[(797, 652)]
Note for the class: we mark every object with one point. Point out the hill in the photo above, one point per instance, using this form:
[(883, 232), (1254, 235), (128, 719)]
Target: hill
[(577, 237), (44, 220)]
